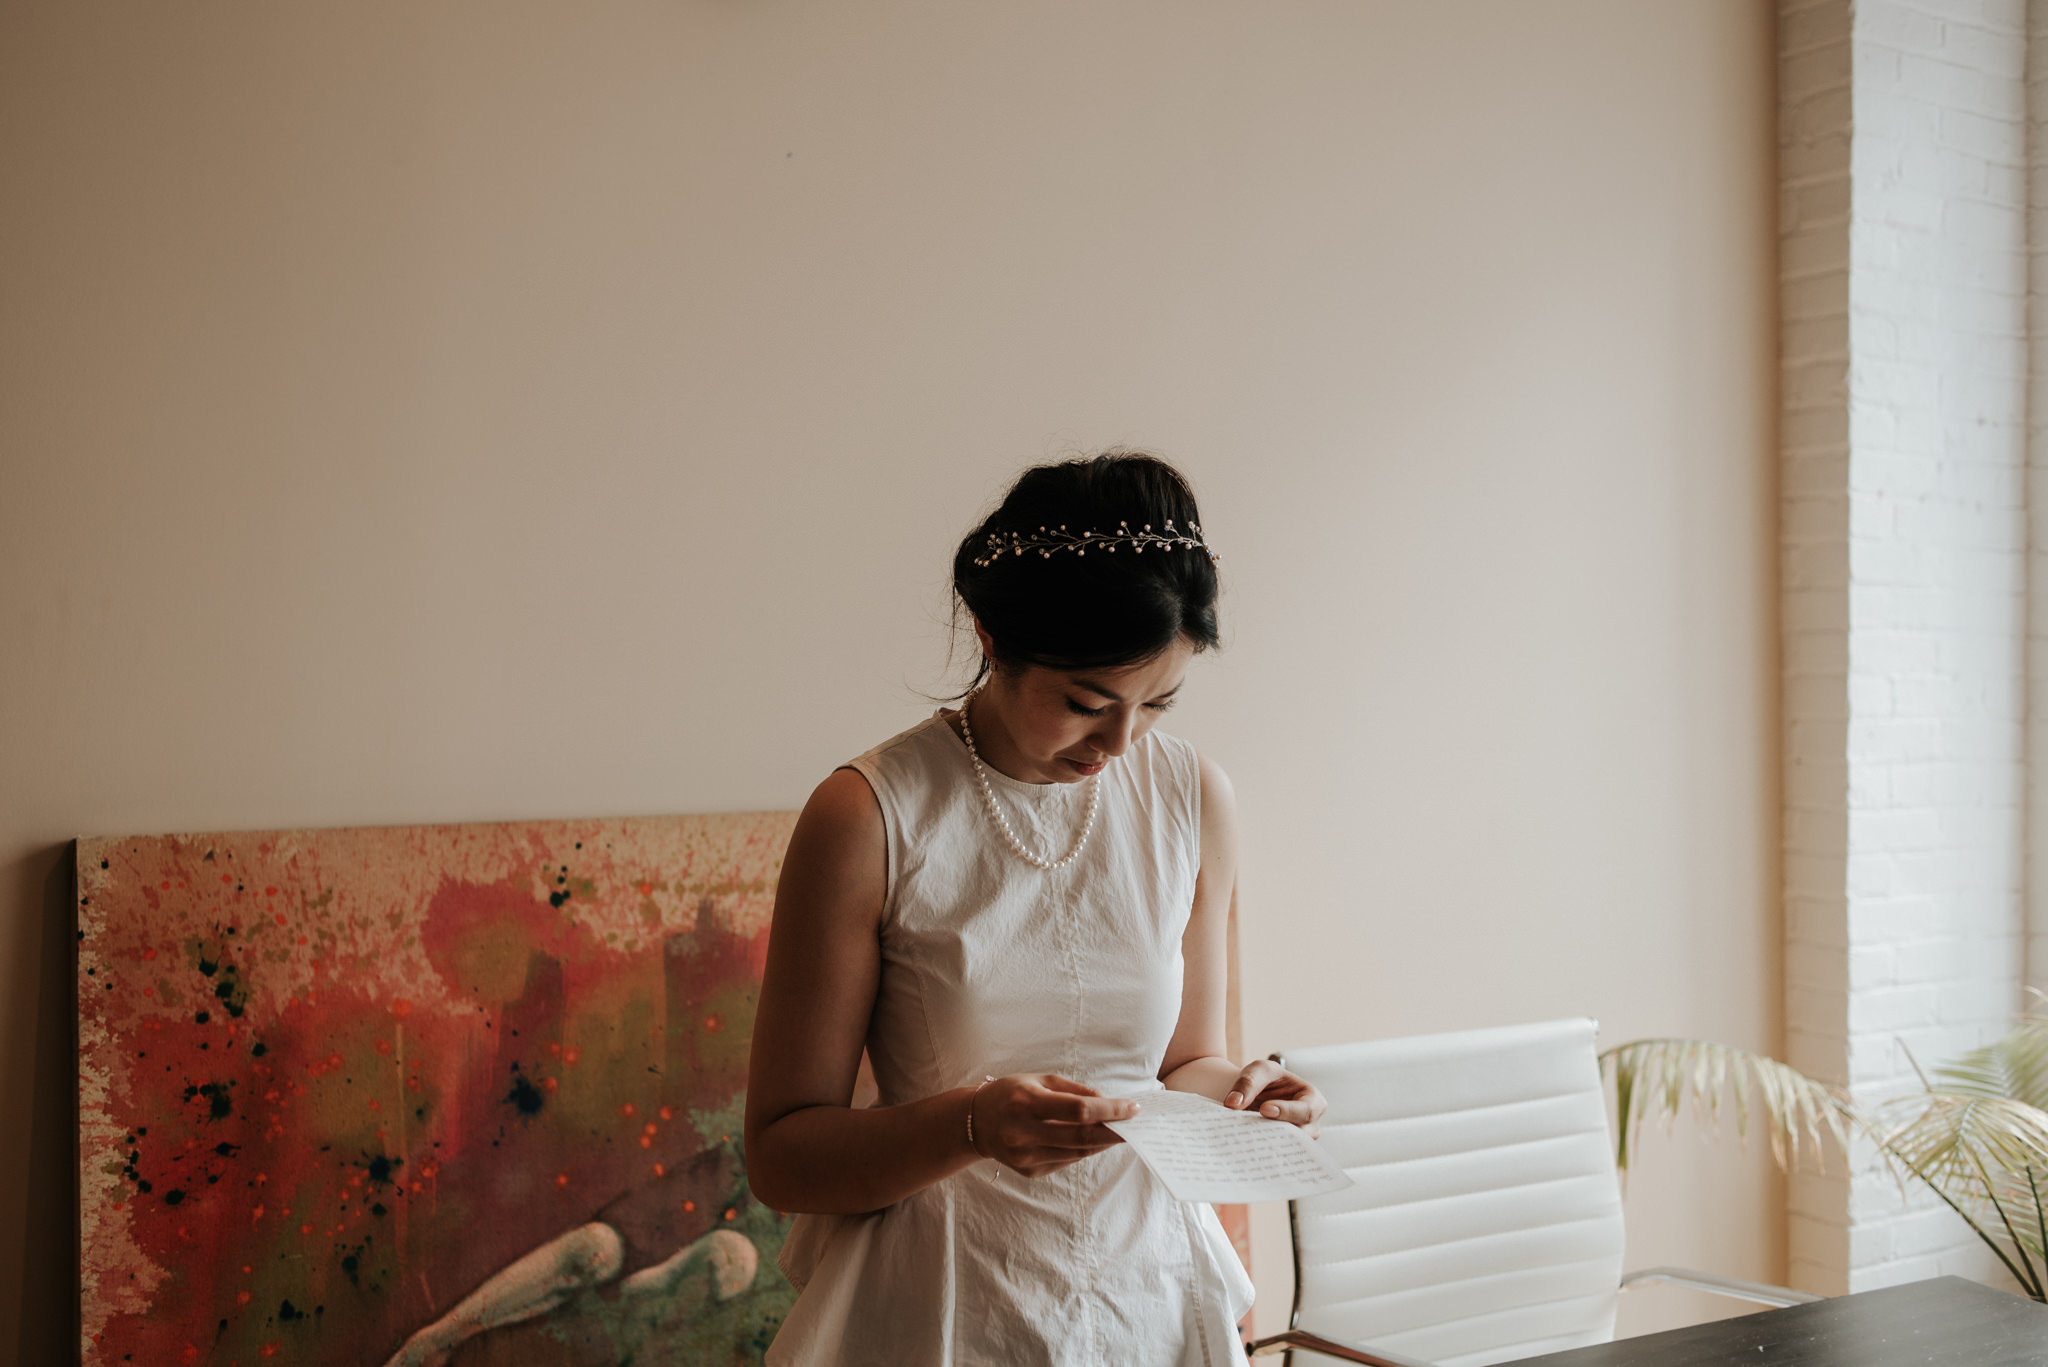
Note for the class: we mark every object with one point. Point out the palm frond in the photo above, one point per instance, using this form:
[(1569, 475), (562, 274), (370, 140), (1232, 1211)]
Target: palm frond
[(2015, 1067), (1986, 1156), (1656, 1076), (1977, 1149)]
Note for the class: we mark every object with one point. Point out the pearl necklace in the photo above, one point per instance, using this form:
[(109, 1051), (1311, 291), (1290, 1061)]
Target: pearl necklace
[(988, 797)]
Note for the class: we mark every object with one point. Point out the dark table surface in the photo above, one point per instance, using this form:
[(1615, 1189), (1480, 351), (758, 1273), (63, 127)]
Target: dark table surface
[(1945, 1322)]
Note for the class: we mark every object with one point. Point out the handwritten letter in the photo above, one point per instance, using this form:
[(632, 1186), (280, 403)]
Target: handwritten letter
[(1204, 1151)]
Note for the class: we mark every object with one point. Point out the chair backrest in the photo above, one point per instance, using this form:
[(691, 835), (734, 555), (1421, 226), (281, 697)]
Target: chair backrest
[(1486, 1221)]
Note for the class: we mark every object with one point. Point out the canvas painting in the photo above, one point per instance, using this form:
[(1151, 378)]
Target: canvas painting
[(405, 1097), (465, 1094)]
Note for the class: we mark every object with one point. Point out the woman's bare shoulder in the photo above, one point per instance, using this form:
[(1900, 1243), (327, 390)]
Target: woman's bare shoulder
[(845, 798), (837, 863), (1219, 812), (1219, 797)]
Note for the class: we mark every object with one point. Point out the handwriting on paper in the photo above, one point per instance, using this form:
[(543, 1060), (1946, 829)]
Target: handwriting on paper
[(1204, 1151)]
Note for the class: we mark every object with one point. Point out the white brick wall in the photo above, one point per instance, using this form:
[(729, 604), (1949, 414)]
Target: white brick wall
[(1814, 99), (2037, 480), (1904, 229)]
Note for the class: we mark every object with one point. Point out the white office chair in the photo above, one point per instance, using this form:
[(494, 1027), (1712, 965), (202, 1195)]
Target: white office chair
[(1486, 1222)]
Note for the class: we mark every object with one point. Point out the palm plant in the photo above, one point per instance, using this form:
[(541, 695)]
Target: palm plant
[(1976, 1134)]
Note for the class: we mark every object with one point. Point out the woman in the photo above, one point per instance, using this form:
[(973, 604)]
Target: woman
[(1019, 908)]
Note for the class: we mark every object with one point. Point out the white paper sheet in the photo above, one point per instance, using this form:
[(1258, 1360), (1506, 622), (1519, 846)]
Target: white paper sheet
[(1204, 1151)]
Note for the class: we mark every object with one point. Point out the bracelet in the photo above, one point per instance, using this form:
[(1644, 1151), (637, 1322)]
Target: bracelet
[(986, 1079)]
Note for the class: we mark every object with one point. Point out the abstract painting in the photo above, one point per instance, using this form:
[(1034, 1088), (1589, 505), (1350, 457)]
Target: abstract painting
[(414, 1096), (457, 1094)]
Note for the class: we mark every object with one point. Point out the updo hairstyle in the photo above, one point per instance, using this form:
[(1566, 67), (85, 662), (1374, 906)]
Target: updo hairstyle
[(1073, 611)]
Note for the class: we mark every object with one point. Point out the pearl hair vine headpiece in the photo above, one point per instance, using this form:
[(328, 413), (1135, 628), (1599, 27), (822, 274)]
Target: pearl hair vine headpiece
[(1049, 540)]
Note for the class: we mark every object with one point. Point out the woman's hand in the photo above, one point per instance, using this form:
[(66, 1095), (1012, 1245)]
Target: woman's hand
[(1278, 1095), (1038, 1123)]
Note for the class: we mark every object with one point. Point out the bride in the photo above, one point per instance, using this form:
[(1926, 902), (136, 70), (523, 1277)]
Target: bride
[(1018, 908)]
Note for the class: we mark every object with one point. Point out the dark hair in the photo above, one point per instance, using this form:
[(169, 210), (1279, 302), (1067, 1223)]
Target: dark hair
[(1075, 611)]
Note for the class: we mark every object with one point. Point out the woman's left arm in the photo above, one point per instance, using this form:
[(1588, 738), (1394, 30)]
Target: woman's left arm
[(1197, 1058)]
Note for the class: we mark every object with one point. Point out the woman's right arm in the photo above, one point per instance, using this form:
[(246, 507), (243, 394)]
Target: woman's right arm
[(807, 1148)]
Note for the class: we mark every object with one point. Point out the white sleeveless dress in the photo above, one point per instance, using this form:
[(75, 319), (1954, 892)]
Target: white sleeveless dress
[(989, 967)]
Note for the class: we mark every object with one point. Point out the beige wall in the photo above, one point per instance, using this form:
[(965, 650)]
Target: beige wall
[(474, 411)]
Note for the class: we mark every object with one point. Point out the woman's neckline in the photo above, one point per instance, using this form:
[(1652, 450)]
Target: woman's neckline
[(996, 776)]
